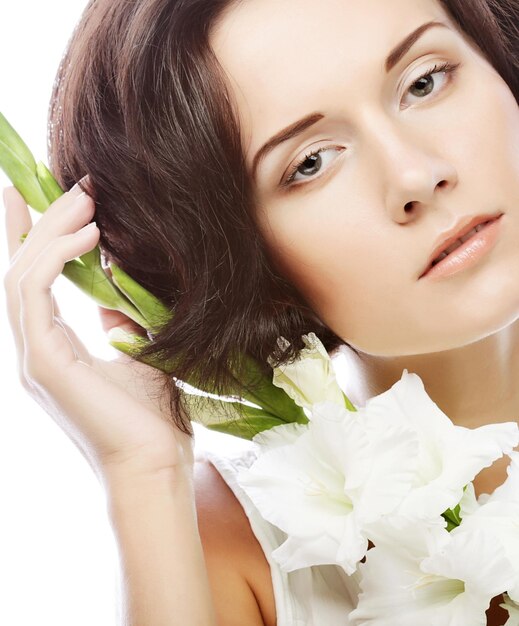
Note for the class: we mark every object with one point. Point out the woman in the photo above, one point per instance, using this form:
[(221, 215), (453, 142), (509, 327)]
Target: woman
[(410, 139)]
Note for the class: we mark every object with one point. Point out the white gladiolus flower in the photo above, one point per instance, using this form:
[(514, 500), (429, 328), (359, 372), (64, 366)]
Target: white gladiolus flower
[(311, 378), (513, 611), (387, 473), (323, 482), (449, 456), (496, 515), (414, 581)]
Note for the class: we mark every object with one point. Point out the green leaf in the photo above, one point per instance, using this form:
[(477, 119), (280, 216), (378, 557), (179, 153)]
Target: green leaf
[(23, 178), (245, 430), (259, 389), (151, 308), (48, 183), (232, 418), (92, 258), (129, 343), (17, 146), (272, 400), (93, 281), (452, 517)]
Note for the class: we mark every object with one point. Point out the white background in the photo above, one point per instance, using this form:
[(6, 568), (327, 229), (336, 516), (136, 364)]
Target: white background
[(57, 554)]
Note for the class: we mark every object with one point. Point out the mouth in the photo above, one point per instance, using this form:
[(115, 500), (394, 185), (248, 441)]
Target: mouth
[(458, 241)]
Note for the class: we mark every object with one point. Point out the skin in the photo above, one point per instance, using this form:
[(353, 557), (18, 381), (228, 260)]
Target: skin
[(55, 367), (400, 167)]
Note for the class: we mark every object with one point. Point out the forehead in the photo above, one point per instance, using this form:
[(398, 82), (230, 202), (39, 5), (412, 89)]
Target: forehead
[(284, 58)]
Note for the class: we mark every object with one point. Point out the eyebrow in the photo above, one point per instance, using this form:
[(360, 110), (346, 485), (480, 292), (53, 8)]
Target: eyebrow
[(296, 128)]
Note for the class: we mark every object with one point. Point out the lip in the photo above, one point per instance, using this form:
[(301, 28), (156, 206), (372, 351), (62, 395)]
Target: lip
[(469, 253), (465, 225)]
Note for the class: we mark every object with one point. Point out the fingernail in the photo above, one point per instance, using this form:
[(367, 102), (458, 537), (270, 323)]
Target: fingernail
[(77, 187)]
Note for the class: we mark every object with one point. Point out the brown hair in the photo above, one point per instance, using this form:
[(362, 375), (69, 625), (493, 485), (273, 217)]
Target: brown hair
[(141, 105)]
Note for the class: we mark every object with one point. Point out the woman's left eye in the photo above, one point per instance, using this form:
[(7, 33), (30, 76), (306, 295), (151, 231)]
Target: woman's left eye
[(425, 84)]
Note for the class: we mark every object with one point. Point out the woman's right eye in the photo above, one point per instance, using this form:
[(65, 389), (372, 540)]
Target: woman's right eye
[(310, 161)]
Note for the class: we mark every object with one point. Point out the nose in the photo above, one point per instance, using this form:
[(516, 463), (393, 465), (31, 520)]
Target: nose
[(414, 175)]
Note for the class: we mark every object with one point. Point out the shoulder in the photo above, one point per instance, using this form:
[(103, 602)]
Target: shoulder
[(238, 571)]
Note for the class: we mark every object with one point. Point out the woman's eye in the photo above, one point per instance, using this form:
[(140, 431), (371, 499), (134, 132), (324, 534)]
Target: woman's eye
[(421, 87), (426, 83), (311, 164)]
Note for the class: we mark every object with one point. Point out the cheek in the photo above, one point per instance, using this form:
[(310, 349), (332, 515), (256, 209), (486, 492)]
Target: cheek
[(487, 140), (351, 289), (337, 257), (505, 129), (337, 266)]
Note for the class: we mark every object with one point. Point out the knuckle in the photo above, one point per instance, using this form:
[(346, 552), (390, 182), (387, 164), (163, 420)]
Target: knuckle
[(11, 282)]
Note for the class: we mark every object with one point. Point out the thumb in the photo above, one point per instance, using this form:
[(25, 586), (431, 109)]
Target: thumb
[(112, 319)]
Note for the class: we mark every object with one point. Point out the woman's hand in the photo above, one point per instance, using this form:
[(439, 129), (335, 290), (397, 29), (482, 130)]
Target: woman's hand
[(105, 407)]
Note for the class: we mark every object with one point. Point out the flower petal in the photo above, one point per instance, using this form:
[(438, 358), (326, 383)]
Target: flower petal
[(310, 378), (476, 558), (281, 435), (513, 611), (323, 487), (449, 457), (413, 581)]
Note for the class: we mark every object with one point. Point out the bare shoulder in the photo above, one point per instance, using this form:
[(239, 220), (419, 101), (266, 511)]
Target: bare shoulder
[(238, 571)]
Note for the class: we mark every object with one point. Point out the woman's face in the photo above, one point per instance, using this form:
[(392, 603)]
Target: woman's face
[(401, 162)]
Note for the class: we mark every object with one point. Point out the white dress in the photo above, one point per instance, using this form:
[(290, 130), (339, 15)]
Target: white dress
[(321, 595)]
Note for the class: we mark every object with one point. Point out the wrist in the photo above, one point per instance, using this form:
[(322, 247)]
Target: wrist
[(145, 497), (124, 483), (148, 464)]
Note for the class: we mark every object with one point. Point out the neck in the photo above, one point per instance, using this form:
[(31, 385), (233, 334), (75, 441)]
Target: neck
[(474, 385)]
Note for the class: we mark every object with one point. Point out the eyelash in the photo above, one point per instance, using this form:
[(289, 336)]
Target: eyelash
[(448, 68)]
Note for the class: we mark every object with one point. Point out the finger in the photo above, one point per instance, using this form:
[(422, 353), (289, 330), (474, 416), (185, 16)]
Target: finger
[(15, 324), (57, 220), (45, 348), (111, 318), (17, 222), (65, 215), (17, 219)]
